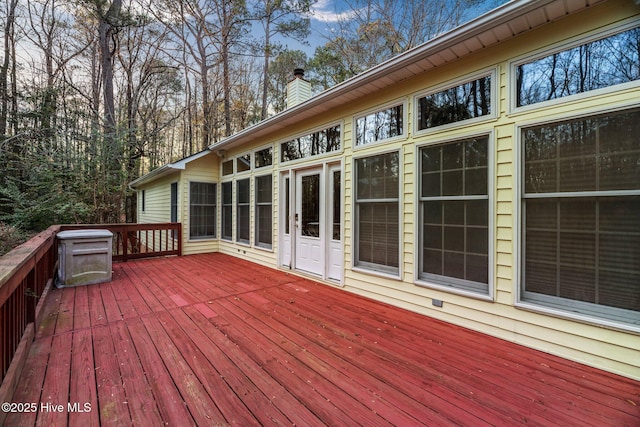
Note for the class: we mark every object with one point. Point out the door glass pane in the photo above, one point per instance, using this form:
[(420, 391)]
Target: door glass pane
[(286, 206), (336, 205), (310, 215)]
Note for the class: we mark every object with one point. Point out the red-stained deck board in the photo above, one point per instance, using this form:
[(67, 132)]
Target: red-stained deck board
[(379, 358), (30, 385), (81, 305), (276, 395), (111, 307), (525, 373), (383, 399), (55, 390), (134, 383), (208, 339), (196, 398), (96, 306), (83, 388), (171, 405), (453, 379), (113, 408), (321, 397), (66, 313), (239, 399), (227, 406)]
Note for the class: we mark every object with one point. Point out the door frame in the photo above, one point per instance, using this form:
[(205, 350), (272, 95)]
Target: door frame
[(287, 242)]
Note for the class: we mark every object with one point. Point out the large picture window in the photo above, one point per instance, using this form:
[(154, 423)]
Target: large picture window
[(377, 212), (264, 211), (202, 210), (581, 216), (227, 210), (454, 202), (599, 64), (466, 101), (242, 210)]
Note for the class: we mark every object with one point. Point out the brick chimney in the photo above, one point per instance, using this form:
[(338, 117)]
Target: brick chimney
[(298, 89)]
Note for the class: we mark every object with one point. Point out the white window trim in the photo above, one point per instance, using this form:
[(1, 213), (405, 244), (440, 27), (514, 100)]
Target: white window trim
[(257, 244), (235, 208), (491, 191), (235, 163), (493, 115), (375, 270), (569, 43), (318, 158), (535, 306), (221, 238), (405, 127), (201, 239)]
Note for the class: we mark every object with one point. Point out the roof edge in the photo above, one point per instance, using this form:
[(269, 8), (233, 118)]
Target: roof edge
[(167, 169), (495, 17)]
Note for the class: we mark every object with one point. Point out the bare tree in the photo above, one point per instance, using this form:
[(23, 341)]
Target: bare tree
[(288, 18), (6, 94)]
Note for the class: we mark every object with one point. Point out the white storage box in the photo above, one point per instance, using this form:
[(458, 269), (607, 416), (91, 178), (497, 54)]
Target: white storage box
[(84, 257)]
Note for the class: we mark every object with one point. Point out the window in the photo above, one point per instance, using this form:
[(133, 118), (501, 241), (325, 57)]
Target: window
[(454, 205), (202, 210), (243, 163), (174, 202), (336, 200), (380, 125), (466, 101), (242, 210), (314, 144), (599, 64), (173, 207), (264, 157), (264, 215), (377, 212), (143, 199), (227, 210), (287, 207), (581, 216), (227, 168)]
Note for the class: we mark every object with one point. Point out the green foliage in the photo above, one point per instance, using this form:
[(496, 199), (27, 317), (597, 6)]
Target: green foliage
[(44, 198), (10, 237)]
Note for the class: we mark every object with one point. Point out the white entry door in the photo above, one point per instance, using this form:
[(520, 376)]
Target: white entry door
[(309, 222)]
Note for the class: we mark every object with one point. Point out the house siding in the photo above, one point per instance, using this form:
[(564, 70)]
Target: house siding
[(204, 169), (157, 208), (499, 313)]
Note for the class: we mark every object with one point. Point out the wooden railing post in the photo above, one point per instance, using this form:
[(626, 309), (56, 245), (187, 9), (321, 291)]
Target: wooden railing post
[(125, 243)]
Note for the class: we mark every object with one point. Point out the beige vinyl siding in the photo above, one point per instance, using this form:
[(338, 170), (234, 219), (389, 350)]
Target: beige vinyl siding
[(157, 207), (204, 169)]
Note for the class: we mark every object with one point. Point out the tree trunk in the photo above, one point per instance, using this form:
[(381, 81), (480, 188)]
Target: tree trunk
[(5, 95)]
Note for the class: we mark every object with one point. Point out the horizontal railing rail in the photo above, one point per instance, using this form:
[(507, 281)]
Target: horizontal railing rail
[(133, 241), (30, 268)]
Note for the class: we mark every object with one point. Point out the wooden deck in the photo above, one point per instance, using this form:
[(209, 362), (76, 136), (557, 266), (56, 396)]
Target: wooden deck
[(213, 340)]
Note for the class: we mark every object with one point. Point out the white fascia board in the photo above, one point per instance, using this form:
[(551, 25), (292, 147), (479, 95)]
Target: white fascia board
[(167, 169)]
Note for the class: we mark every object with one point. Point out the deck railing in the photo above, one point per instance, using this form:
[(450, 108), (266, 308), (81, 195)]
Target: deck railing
[(29, 270), (132, 241), (24, 273)]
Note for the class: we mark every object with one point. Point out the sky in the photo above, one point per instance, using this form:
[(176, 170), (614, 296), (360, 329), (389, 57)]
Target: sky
[(326, 13)]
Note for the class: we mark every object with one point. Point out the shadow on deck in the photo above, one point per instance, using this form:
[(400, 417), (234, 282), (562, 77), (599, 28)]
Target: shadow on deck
[(212, 339)]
